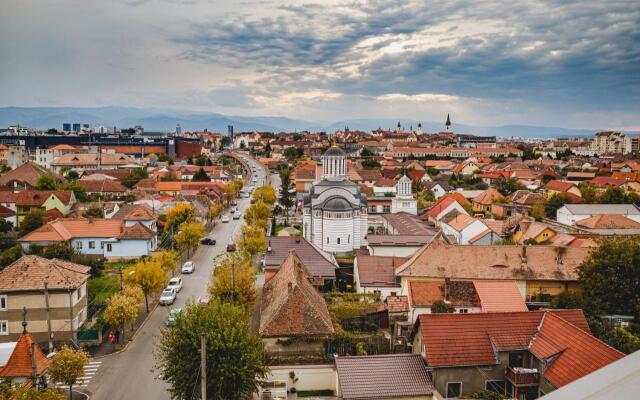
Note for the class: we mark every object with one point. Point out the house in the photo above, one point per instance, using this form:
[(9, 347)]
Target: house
[(464, 228), (305, 173), (442, 207), (45, 155), (104, 187), (618, 224), (321, 265), (111, 238), (25, 177), (540, 272), (401, 234), (292, 307), (482, 202), (85, 161), (569, 214), (604, 182), (438, 188), (376, 274), (383, 377), (132, 214), (8, 215), (557, 187), (518, 354), (55, 202), (27, 364), (466, 168), (23, 283)]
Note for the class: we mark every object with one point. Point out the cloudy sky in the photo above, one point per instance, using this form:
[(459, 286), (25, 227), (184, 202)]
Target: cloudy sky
[(552, 63)]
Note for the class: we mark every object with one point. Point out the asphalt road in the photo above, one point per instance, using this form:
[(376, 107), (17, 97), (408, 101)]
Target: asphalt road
[(130, 374)]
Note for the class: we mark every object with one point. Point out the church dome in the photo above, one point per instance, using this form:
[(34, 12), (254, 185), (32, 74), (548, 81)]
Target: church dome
[(337, 204), (335, 151)]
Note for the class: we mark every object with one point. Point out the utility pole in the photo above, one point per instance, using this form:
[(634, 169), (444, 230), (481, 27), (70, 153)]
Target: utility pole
[(46, 302), (233, 282), (73, 338), (121, 280), (203, 367)]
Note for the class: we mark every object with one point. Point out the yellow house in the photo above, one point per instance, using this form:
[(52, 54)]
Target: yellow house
[(528, 230), (48, 200), (466, 168), (555, 187)]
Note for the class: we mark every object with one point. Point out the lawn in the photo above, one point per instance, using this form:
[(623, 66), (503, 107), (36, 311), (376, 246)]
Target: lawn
[(101, 288)]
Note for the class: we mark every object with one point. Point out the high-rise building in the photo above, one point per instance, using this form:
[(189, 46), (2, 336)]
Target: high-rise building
[(230, 131), (76, 127), (66, 127), (178, 129)]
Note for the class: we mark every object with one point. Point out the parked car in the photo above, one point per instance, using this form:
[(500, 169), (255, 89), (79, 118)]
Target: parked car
[(236, 216), (225, 218), (175, 283), (171, 318), (234, 203), (231, 247), (167, 297), (204, 300), (208, 241), (188, 268)]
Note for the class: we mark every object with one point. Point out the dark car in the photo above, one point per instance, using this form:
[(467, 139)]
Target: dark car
[(208, 241), (231, 247)]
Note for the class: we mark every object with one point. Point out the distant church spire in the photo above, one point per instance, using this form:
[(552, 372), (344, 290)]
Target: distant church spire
[(448, 123)]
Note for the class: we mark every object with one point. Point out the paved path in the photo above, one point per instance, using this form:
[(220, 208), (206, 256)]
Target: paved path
[(130, 374)]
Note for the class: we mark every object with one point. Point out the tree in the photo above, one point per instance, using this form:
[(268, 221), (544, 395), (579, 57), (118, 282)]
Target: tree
[(8, 256), (508, 186), (93, 212), (623, 340), (253, 239), (134, 176), (614, 195), (440, 307), (78, 191), (34, 219), (59, 250), (167, 259), (257, 214), (170, 177), (538, 211), (567, 300), (214, 211), (72, 175), (179, 214), (202, 160), (589, 193), (292, 154), (234, 357), (554, 203), (5, 226), (121, 310), (366, 152), (189, 235), (149, 276), (371, 164), (225, 142), (266, 194), (424, 197), (610, 278), (46, 182), (134, 292), (239, 184), (286, 199), (201, 176), (67, 366), (230, 192), (237, 266), (24, 393)]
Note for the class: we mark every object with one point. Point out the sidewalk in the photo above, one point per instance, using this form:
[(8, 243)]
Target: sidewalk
[(107, 347)]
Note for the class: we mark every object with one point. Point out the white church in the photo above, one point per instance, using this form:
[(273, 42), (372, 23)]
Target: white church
[(335, 212), (404, 200)]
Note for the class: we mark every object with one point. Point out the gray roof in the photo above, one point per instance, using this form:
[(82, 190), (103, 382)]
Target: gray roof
[(399, 240), (383, 376), (336, 204), (335, 151), (596, 209), (315, 260)]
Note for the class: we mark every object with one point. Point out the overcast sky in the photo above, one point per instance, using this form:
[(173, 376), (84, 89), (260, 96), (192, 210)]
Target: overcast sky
[(552, 63)]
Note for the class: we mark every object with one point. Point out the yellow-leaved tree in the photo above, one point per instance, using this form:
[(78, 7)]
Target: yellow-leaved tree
[(257, 214), (179, 214), (233, 280), (190, 235), (168, 259), (121, 310), (230, 192), (253, 239), (266, 194), (239, 184), (67, 365), (214, 211), (149, 276)]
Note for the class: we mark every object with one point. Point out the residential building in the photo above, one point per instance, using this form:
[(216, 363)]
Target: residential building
[(44, 156), (611, 142), (465, 229), (557, 187), (438, 188), (22, 284), (104, 188), (569, 214), (85, 161), (376, 274), (25, 177), (27, 364), (57, 203), (482, 203)]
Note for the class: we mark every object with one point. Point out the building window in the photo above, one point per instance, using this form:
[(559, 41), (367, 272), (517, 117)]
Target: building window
[(92, 244), (4, 327), (79, 292), (516, 359), (454, 389), (327, 239), (80, 317), (338, 240), (386, 209), (79, 245), (349, 239), (109, 247), (463, 311), (3, 302), (495, 386)]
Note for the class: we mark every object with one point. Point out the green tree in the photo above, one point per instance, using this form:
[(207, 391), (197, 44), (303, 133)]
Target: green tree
[(225, 142), (623, 340), (201, 176), (234, 357), (233, 280), (149, 276), (5, 226), (567, 300), (121, 310), (78, 191), (371, 164), (202, 161), (72, 175), (610, 278), (440, 307), (59, 250), (135, 176), (34, 219), (508, 186), (8, 256), (46, 182), (292, 154), (366, 152), (614, 195), (538, 210), (67, 366), (287, 193), (554, 203), (589, 193), (93, 212), (189, 236)]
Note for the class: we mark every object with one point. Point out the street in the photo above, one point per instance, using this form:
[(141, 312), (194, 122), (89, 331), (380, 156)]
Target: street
[(130, 374)]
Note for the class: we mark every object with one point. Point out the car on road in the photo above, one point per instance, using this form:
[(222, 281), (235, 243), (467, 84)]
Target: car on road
[(175, 283), (171, 318), (231, 247), (236, 216), (188, 267), (225, 218), (234, 203), (167, 297), (208, 241)]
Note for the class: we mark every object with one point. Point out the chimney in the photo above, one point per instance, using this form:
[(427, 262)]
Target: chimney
[(297, 238), (290, 286)]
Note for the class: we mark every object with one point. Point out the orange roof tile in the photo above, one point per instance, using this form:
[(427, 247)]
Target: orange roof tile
[(19, 364), (30, 272), (499, 296)]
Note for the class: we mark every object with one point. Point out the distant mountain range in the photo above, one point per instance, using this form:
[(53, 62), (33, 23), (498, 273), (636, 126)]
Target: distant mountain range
[(165, 120)]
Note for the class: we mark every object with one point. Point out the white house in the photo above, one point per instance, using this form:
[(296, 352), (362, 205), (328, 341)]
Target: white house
[(373, 274), (463, 227), (438, 188), (404, 200), (570, 213), (111, 238)]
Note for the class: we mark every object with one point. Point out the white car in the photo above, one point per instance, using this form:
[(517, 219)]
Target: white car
[(188, 267), (167, 297), (225, 218), (175, 284)]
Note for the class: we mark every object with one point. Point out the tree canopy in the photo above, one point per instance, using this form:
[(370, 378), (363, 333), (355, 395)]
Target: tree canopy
[(67, 366), (46, 182), (121, 310), (149, 276), (179, 214), (266, 194), (34, 219), (189, 235), (555, 202), (244, 275), (201, 176)]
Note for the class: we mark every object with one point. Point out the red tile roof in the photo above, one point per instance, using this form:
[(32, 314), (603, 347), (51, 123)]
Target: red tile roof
[(559, 186), (608, 221), (378, 271), (425, 293), (31, 272), (470, 339), (27, 173), (38, 197), (19, 364), (488, 197), (499, 296), (98, 186)]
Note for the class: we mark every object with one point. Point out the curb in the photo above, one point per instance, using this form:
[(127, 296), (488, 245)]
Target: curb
[(126, 346)]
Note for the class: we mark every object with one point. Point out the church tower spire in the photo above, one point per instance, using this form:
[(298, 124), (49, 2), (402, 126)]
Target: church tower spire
[(448, 123)]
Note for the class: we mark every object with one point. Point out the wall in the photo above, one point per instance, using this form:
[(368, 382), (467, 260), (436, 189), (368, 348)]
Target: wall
[(310, 377), (129, 248), (393, 251)]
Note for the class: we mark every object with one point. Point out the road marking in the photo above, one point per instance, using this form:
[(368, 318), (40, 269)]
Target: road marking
[(88, 372)]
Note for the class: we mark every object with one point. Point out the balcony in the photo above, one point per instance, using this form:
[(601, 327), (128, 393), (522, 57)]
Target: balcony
[(522, 376)]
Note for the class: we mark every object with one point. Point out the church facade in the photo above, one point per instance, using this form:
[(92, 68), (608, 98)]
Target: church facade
[(334, 211), (404, 200)]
